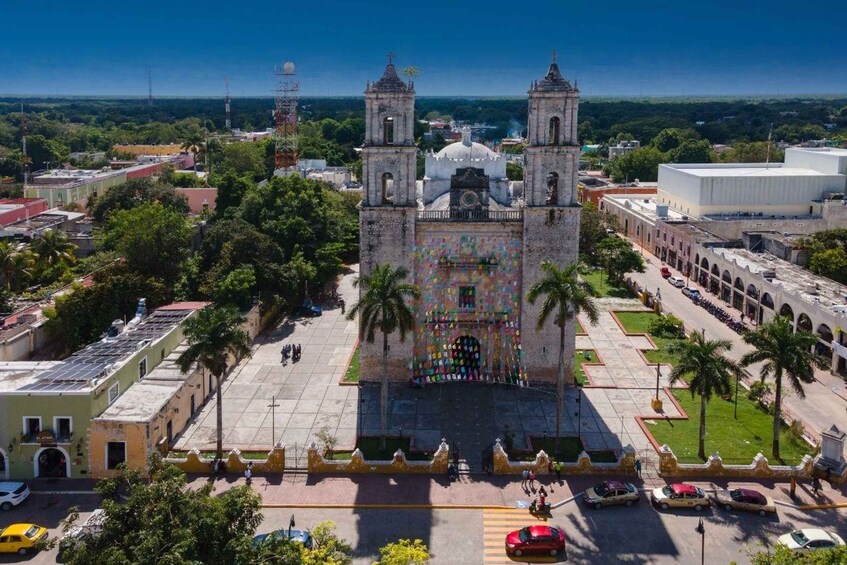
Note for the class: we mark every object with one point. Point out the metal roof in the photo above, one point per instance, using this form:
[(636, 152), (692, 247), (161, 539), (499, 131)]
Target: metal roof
[(101, 358)]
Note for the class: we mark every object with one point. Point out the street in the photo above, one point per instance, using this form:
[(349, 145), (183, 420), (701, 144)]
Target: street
[(640, 534), (826, 399)]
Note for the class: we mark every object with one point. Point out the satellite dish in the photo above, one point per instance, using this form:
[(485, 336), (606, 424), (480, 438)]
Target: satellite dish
[(288, 68)]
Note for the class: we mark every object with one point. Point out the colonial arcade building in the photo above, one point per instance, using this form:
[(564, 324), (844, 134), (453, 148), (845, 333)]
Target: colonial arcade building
[(472, 247)]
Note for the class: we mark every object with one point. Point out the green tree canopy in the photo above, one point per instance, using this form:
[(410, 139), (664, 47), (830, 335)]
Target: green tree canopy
[(514, 170), (671, 138), (593, 228), (642, 164), (404, 552), (618, 257), (154, 240), (135, 192), (692, 151), (161, 520)]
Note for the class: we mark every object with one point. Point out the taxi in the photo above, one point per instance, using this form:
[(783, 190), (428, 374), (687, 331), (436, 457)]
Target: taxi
[(680, 495), (21, 538)]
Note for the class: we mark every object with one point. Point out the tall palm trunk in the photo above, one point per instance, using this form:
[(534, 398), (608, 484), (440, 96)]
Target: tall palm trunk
[(220, 416), (383, 393), (701, 447), (560, 386), (195, 167), (777, 411)]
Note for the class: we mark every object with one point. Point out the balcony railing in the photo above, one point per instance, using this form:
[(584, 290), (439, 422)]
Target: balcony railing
[(470, 216)]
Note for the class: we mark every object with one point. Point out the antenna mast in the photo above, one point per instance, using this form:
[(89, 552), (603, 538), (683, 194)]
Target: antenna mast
[(228, 120), (286, 96), (25, 163), (768, 157)]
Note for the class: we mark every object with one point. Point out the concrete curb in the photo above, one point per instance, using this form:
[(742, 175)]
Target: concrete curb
[(394, 506), (62, 492)]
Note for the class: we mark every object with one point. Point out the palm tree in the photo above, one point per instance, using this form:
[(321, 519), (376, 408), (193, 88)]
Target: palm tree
[(194, 142), (383, 307), (214, 335), (52, 247), (15, 266), (566, 295), (711, 372), (784, 353)]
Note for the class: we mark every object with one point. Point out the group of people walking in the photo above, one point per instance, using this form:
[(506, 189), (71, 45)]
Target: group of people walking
[(293, 351)]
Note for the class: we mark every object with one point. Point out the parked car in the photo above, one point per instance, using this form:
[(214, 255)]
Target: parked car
[(300, 536), (21, 538), (310, 310), (535, 539), (678, 282), (609, 493), (680, 495), (665, 272), (810, 539), (89, 529), (745, 499), (691, 292), (12, 494)]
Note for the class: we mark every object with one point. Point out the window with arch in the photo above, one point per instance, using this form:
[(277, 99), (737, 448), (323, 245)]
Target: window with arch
[(552, 189), (553, 134), (388, 188), (388, 130)]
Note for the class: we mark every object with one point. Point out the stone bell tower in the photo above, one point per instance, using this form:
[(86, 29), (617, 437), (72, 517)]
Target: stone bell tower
[(551, 213), (387, 214)]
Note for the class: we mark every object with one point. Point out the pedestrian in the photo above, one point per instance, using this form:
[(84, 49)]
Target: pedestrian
[(742, 317), (816, 485), (793, 488), (558, 468), (829, 474), (524, 478), (638, 468), (248, 473), (343, 305), (531, 480)]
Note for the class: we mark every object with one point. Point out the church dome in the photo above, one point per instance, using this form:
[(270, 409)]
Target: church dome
[(466, 150)]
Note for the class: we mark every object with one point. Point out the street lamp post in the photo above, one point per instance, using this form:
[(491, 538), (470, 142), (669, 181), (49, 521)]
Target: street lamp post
[(656, 402), (273, 406), (702, 531)]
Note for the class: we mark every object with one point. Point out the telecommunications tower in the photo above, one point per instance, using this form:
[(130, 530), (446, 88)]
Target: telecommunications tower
[(228, 120), (286, 95)]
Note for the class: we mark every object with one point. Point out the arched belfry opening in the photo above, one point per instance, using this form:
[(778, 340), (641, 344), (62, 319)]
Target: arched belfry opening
[(552, 189), (555, 127), (388, 131), (388, 188)]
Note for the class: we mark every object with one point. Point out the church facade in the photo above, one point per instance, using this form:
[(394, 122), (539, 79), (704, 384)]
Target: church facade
[(472, 248)]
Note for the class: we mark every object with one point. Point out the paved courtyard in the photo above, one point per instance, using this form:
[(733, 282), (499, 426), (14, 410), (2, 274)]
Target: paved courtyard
[(470, 415)]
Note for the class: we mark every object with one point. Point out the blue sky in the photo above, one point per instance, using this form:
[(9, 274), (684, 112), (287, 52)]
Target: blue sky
[(618, 48)]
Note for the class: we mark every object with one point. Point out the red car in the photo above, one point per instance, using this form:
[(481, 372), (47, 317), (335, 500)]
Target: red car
[(535, 539), (665, 271)]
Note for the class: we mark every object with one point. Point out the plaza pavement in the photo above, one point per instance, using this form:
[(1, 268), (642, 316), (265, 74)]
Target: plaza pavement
[(470, 415), (306, 393)]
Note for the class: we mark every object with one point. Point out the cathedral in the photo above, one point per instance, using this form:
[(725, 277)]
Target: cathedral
[(473, 248)]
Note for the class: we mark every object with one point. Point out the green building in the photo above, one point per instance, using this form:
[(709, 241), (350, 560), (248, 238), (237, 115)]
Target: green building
[(46, 408)]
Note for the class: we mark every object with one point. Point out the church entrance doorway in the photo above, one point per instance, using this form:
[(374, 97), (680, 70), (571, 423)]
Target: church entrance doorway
[(465, 357), (51, 463)]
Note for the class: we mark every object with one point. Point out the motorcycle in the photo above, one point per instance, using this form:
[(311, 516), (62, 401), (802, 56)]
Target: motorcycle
[(534, 508)]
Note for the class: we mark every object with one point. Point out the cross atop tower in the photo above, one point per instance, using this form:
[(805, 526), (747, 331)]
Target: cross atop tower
[(390, 58), (553, 56)]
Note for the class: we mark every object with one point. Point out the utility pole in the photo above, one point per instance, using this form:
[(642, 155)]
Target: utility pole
[(227, 120), (24, 164), (273, 405)]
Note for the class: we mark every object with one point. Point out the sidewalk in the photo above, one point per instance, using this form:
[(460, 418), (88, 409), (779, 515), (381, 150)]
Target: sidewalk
[(482, 491)]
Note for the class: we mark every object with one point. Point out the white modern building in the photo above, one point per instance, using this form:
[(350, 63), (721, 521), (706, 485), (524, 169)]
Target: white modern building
[(760, 189), (622, 148)]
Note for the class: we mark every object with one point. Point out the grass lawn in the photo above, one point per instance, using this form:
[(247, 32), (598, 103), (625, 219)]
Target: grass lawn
[(737, 441), (370, 449), (352, 375), (598, 280), (579, 328), (638, 323), (579, 372), (569, 450)]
